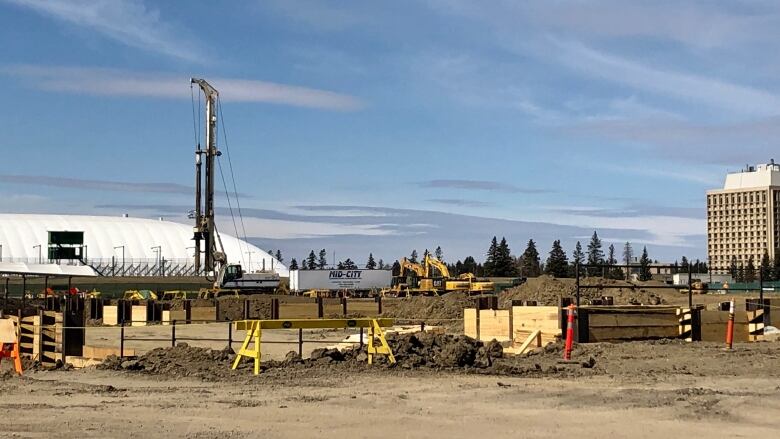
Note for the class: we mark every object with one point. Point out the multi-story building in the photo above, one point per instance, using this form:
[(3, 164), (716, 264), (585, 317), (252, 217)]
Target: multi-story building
[(743, 218)]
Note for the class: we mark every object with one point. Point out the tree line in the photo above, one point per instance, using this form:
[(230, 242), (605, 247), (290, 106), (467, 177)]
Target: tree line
[(319, 261)]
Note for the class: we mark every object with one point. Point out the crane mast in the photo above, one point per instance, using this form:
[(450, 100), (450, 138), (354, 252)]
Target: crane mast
[(204, 202)]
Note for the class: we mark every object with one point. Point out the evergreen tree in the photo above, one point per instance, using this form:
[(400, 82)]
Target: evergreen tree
[(595, 254), (684, 264), (347, 264), (303, 264), (396, 268), (439, 253), (734, 270), (577, 258), (750, 271), (557, 263), (611, 260), (505, 264), (279, 256), (311, 261), (458, 268), (644, 266), (776, 266), (470, 266), (381, 264), (613, 272), (628, 254), (492, 256), (530, 260), (766, 267), (413, 257), (371, 264), (293, 264), (426, 253), (340, 266), (322, 261)]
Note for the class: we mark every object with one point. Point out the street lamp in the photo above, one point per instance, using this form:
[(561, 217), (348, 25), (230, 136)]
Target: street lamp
[(158, 250), (249, 268), (40, 256), (123, 257)]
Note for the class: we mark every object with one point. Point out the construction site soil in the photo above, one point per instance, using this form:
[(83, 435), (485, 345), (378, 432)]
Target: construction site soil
[(547, 290), (443, 353), (442, 386)]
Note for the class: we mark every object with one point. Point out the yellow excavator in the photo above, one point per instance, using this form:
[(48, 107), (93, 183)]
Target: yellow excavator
[(465, 282), (432, 278)]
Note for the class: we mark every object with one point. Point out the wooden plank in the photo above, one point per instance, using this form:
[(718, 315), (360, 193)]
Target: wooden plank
[(597, 320), (536, 317), (138, 315), (100, 353), (470, 322), (494, 324), (597, 334), (179, 315), (110, 315), (166, 317), (203, 313), (305, 310), (534, 337)]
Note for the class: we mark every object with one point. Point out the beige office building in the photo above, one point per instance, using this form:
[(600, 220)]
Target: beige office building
[(743, 218)]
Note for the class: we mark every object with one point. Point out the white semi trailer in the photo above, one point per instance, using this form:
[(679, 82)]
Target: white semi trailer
[(339, 280)]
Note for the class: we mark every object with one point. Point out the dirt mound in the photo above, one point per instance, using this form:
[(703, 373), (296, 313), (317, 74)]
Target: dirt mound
[(446, 310), (232, 308), (548, 291), (179, 361)]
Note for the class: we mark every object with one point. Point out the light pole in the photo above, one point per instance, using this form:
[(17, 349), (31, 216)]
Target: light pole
[(123, 257), (158, 250), (40, 257), (249, 268)]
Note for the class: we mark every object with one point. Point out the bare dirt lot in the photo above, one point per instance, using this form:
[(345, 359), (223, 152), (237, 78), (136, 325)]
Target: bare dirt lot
[(637, 390)]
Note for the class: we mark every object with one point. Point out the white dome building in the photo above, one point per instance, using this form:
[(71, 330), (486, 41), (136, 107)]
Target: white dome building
[(145, 242)]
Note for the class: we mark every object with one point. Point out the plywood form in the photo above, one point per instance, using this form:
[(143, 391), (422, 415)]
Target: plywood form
[(101, 353), (530, 318), (138, 315), (495, 324), (203, 313), (110, 315), (470, 323)]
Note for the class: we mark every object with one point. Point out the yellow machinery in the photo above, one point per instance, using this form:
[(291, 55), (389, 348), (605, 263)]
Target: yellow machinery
[(139, 295), (432, 278)]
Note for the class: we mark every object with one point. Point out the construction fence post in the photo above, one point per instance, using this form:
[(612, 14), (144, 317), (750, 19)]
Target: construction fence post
[(300, 342), (173, 333), (230, 336), (320, 308), (378, 304), (122, 338), (730, 326)]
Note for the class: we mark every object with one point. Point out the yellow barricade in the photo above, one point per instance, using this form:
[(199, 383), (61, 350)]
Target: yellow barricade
[(254, 332)]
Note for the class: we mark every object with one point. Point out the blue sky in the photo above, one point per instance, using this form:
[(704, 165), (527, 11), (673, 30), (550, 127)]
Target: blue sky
[(368, 126)]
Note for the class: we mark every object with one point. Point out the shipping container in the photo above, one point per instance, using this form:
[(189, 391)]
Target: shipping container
[(354, 280)]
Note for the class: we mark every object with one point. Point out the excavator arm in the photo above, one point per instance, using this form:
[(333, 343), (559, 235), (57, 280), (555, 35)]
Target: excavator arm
[(409, 265), (431, 261)]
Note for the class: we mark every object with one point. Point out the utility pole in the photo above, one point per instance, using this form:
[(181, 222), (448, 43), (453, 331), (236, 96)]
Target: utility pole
[(204, 217)]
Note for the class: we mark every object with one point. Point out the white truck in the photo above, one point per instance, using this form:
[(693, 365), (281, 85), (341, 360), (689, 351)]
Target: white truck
[(339, 280)]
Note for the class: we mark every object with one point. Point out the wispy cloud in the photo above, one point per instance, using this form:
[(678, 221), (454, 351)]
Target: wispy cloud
[(460, 202), (101, 185), (634, 211), (479, 185), (714, 143), (129, 22), (115, 82), (694, 89)]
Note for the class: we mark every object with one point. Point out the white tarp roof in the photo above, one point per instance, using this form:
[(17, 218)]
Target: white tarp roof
[(46, 269)]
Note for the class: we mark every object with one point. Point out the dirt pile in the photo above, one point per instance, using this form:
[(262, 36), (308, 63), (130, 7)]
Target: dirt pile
[(179, 361), (232, 308), (548, 291), (433, 310)]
